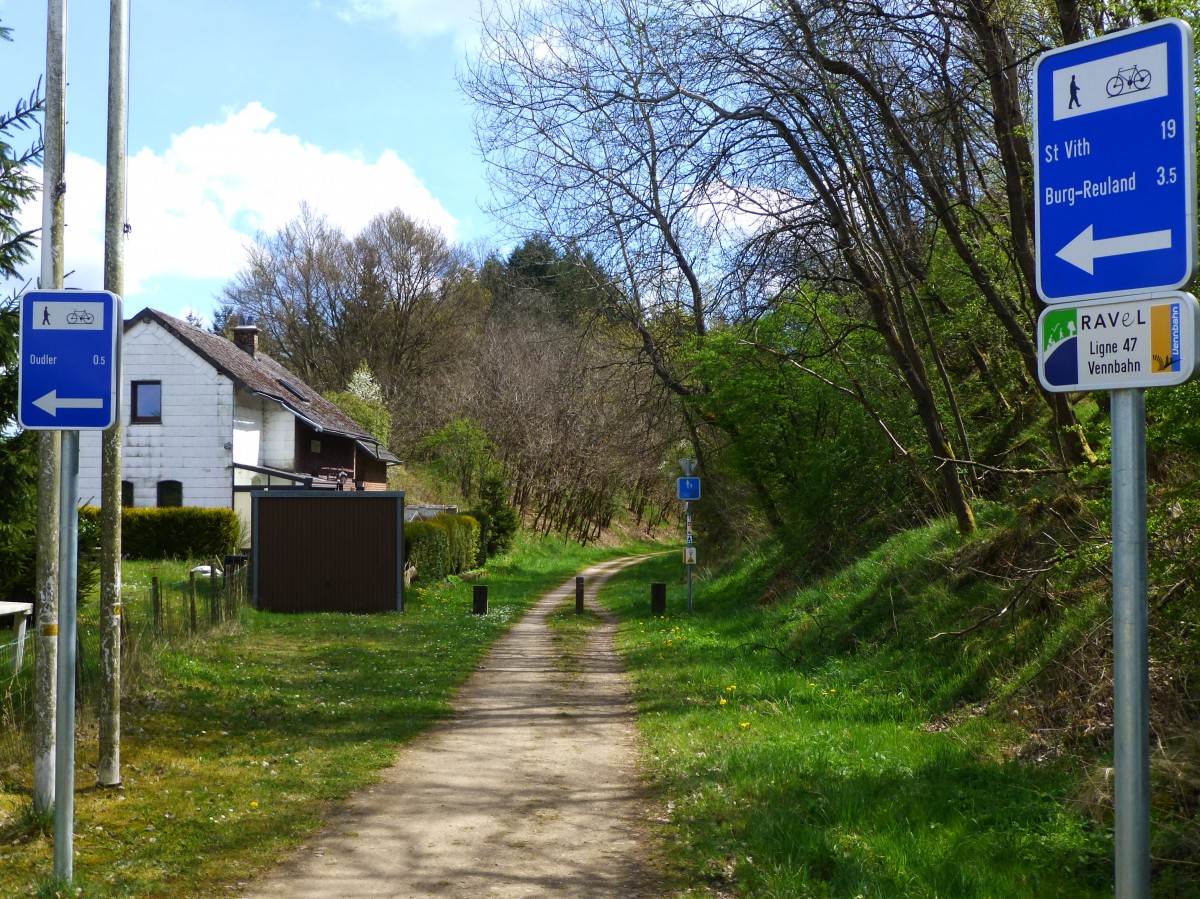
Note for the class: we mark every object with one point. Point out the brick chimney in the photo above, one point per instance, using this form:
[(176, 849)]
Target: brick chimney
[(245, 338)]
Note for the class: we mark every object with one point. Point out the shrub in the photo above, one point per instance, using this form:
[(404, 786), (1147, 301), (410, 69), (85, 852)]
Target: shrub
[(484, 520), (442, 545), (502, 518), (427, 547), (175, 533)]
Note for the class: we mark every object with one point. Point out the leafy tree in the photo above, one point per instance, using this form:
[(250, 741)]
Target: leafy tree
[(463, 454), (18, 450), (502, 520), (363, 401)]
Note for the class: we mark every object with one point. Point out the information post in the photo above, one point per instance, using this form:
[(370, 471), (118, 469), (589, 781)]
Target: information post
[(67, 380), (688, 490), (1115, 221)]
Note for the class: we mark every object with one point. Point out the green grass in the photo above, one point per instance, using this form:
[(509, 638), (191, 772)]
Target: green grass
[(233, 751), (821, 744)]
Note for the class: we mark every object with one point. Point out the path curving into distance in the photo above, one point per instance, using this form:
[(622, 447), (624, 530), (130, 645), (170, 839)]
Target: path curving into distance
[(529, 790)]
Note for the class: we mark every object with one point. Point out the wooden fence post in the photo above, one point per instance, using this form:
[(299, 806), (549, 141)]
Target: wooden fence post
[(658, 599), (156, 607), (479, 600), (579, 595), (192, 599), (214, 599)]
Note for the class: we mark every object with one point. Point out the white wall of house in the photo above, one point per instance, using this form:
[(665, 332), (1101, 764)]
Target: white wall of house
[(197, 413), (247, 428), (279, 437)]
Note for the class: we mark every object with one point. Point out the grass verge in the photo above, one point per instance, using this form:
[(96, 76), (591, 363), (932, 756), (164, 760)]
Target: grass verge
[(236, 744), (813, 744)]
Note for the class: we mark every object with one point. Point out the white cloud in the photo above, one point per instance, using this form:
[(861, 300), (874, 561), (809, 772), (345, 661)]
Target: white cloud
[(420, 18), (195, 208)]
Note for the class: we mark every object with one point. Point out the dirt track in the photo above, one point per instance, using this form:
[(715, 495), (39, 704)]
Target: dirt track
[(530, 789)]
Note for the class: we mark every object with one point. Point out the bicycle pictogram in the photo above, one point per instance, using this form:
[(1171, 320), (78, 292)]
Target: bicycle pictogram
[(80, 317), (1129, 79)]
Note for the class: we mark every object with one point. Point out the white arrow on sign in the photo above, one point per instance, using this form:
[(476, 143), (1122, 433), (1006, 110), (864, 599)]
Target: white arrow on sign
[(52, 402), (1084, 250)]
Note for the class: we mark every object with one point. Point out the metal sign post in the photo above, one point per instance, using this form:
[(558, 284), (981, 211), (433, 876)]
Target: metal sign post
[(1115, 219), (688, 490), (1131, 678), (67, 381)]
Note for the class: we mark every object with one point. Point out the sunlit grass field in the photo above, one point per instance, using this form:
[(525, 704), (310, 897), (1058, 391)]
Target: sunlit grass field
[(796, 762), (236, 742)]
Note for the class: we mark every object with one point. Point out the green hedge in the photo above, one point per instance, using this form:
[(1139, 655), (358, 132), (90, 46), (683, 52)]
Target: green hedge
[(442, 545), (485, 531), (178, 532), (427, 547)]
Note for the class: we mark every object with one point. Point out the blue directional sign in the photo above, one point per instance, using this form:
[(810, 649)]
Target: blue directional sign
[(68, 368), (689, 489), (1114, 172)]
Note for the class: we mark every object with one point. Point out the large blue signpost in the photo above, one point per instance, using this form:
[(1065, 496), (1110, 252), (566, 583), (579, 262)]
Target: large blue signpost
[(1114, 146), (1114, 175), (67, 378)]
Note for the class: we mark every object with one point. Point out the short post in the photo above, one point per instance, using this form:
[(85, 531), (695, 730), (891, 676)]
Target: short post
[(579, 581), (479, 600), (156, 607), (214, 594), (192, 599), (658, 599)]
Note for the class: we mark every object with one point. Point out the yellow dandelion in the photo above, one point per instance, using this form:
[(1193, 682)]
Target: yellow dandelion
[(253, 803), (744, 725), (724, 700)]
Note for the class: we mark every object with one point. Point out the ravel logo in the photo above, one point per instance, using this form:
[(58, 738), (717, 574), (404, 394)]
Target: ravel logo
[(1060, 347)]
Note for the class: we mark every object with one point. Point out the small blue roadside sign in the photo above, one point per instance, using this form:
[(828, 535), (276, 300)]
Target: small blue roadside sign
[(67, 376), (1114, 164), (689, 489)]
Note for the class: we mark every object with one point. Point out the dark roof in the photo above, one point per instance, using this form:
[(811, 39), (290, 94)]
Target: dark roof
[(263, 375)]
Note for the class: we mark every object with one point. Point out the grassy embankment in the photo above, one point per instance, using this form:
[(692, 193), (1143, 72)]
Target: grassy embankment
[(235, 744), (818, 741)]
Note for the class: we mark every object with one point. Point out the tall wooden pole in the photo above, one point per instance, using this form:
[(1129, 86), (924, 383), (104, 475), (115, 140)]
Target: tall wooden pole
[(108, 771), (46, 634)]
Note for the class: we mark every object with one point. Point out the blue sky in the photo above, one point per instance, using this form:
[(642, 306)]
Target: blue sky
[(239, 111)]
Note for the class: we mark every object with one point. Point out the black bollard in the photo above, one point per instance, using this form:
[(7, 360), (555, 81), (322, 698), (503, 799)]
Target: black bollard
[(658, 599), (479, 600), (579, 595)]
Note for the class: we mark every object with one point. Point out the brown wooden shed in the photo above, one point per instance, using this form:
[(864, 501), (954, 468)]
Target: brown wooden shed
[(328, 551)]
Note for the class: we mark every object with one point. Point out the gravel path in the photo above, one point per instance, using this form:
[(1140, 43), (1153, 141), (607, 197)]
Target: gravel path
[(529, 789)]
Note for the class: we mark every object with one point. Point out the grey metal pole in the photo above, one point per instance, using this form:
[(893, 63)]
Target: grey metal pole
[(1131, 679), (49, 485), (68, 541), (687, 513), (108, 768)]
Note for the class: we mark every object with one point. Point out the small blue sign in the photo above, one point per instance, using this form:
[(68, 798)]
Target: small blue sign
[(689, 489), (67, 376), (1114, 164)]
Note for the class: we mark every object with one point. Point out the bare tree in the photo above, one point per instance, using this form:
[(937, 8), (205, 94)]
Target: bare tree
[(395, 297), (672, 138)]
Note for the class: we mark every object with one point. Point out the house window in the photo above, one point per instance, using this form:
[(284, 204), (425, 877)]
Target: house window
[(315, 445), (145, 402), (127, 493), (170, 493)]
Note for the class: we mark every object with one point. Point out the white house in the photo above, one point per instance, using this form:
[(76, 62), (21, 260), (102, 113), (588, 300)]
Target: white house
[(207, 420)]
